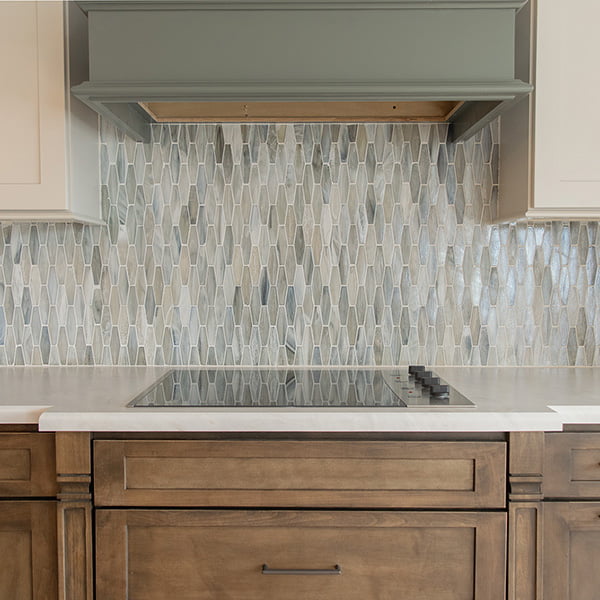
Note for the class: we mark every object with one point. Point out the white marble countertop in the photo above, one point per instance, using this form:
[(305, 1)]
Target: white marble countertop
[(96, 398)]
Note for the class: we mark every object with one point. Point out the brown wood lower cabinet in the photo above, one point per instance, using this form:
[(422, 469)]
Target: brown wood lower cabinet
[(571, 551), (28, 570), (300, 519), (340, 555)]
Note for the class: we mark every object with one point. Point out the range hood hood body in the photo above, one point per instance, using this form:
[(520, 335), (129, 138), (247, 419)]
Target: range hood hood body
[(320, 60)]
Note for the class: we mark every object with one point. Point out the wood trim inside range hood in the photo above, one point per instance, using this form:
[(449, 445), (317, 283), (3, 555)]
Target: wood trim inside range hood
[(273, 112)]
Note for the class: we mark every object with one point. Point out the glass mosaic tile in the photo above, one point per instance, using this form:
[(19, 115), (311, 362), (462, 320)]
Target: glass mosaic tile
[(299, 244)]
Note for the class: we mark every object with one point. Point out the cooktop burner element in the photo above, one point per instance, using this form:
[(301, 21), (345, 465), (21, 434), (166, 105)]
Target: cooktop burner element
[(302, 388)]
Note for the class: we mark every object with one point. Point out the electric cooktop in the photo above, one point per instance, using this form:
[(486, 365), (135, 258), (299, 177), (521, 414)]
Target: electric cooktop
[(414, 386)]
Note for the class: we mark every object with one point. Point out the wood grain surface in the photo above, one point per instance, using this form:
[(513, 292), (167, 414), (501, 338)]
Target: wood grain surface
[(27, 465), (28, 550), (202, 555), (293, 474)]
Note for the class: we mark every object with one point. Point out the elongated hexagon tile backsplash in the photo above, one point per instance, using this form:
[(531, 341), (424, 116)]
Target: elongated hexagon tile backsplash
[(299, 244)]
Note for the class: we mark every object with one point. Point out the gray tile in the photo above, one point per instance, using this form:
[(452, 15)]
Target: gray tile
[(332, 244)]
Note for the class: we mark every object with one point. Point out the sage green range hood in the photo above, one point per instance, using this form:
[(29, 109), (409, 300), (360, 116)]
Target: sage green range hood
[(301, 61)]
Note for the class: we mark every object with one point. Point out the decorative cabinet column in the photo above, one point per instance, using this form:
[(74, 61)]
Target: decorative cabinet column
[(73, 468), (525, 513)]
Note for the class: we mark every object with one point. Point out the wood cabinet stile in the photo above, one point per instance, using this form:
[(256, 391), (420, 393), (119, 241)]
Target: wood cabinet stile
[(75, 557)]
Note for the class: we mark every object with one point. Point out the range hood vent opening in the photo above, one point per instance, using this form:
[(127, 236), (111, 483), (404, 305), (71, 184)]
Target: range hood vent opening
[(195, 61), (302, 112)]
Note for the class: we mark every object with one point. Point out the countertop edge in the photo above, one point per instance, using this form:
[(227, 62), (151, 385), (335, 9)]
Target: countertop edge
[(306, 422)]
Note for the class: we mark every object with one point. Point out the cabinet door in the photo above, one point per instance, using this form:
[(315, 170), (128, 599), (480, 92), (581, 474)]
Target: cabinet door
[(571, 550), (32, 105), (28, 551), (567, 120), (299, 555)]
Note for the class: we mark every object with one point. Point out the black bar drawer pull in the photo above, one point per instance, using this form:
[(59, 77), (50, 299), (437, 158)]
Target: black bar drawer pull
[(337, 570)]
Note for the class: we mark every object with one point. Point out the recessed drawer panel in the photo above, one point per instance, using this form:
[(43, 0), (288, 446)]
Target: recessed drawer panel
[(294, 555), (27, 465), (572, 465), (294, 474)]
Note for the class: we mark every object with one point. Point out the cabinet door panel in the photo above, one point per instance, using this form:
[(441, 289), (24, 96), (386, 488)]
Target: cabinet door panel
[(549, 168), (32, 104), (19, 159), (567, 122), (571, 551), (28, 551), (204, 555)]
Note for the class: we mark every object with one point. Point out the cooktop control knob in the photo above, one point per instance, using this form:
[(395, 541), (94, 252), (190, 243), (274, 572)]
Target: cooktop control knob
[(440, 389), (414, 369), (430, 381), (420, 376)]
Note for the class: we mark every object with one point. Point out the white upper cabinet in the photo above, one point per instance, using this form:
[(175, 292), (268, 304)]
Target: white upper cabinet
[(49, 165), (549, 157)]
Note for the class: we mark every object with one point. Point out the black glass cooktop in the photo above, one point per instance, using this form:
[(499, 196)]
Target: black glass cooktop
[(322, 388)]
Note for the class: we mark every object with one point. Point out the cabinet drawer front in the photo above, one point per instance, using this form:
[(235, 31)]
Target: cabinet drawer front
[(572, 465), (300, 474), (202, 555), (27, 465), (28, 550)]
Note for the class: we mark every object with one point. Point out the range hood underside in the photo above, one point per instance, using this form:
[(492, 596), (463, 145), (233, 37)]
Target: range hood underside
[(301, 112), (466, 107)]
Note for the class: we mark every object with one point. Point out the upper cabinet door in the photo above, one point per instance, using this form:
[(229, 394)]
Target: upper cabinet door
[(567, 120), (32, 104), (549, 160), (49, 157)]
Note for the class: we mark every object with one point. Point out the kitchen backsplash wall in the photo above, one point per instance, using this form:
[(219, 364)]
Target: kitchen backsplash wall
[(299, 244)]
